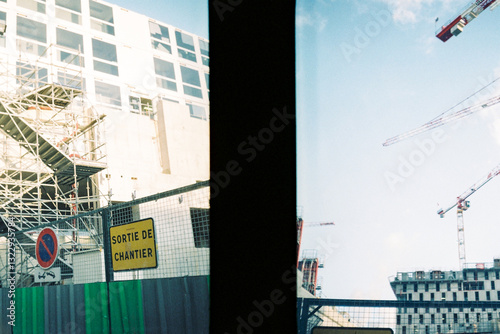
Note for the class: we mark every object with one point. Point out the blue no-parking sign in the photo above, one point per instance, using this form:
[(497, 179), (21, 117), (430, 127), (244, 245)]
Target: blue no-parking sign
[(47, 248)]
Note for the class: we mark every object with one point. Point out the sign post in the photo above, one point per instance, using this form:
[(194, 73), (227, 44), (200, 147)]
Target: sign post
[(47, 248), (133, 245)]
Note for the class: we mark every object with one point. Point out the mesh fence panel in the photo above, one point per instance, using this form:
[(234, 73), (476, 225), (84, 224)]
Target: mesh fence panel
[(403, 317), (181, 223)]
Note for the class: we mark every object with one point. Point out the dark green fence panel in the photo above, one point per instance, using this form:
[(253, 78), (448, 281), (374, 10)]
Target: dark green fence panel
[(176, 305), (96, 308), (65, 309), (126, 302), (30, 311), (4, 311)]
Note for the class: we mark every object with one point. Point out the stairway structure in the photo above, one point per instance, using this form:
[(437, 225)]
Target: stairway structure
[(52, 150)]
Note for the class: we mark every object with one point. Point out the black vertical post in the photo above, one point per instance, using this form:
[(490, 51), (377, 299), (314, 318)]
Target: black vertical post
[(108, 266)]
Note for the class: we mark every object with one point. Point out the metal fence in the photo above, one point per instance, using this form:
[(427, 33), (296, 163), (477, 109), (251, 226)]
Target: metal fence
[(179, 221), (403, 317)]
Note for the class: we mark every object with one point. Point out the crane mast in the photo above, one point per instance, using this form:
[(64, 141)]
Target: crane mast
[(462, 205)]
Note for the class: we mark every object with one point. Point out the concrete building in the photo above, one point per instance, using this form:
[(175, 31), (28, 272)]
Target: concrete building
[(98, 105), (476, 282)]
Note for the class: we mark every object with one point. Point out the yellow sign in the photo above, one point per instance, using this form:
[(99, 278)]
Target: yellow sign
[(351, 330), (133, 245)]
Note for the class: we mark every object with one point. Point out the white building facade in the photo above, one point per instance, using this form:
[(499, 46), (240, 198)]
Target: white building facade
[(151, 80)]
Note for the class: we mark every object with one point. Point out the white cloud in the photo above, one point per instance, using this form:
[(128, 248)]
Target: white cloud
[(311, 19), (406, 11)]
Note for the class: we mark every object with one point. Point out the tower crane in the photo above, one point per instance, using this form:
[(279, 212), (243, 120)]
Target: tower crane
[(462, 205), (437, 122), (456, 25)]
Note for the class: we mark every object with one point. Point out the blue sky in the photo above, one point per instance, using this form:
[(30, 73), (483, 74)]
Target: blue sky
[(370, 70), (189, 15)]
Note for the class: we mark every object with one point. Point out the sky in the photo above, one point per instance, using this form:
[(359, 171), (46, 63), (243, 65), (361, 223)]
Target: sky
[(370, 70), (188, 15)]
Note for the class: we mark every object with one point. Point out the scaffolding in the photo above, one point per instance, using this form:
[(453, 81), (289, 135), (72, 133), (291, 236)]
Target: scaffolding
[(53, 147)]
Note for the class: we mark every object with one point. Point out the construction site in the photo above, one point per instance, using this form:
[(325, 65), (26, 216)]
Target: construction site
[(53, 149)]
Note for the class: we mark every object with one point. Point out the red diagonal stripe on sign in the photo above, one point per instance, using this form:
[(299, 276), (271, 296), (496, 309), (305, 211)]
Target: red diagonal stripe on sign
[(46, 248)]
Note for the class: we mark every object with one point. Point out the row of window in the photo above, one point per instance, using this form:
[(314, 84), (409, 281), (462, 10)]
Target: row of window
[(432, 296), (160, 40), (165, 78), (424, 318), (472, 285), (467, 274), (31, 77), (70, 10), (102, 20), (418, 310)]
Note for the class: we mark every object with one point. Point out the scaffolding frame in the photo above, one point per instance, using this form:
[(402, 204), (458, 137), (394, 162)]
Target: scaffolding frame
[(53, 147)]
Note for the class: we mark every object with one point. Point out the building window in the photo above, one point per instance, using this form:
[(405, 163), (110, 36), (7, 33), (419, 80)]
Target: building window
[(73, 41), (398, 319), (74, 5), (185, 46), (104, 14), (68, 15), (497, 274), (403, 330), (409, 319), (101, 12), (432, 296), (404, 287), (421, 318), (107, 93), (486, 275), (466, 296), (197, 112), (448, 286), (31, 29), (426, 287), (437, 286), (191, 78), (409, 296), (427, 330), (488, 297), (444, 317), (107, 52), (478, 317), (421, 296), (439, 328), (443, 296), (141, 105), (455, 318), (32, 5), (71, 80), (415, 287), (490, 316), (467, 317), (204, 52), (498, 295), (160, 38), (165, 71), (433, 319), (30, 76), (477, 295), (69, 39), (200, 220), (492, 285)]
